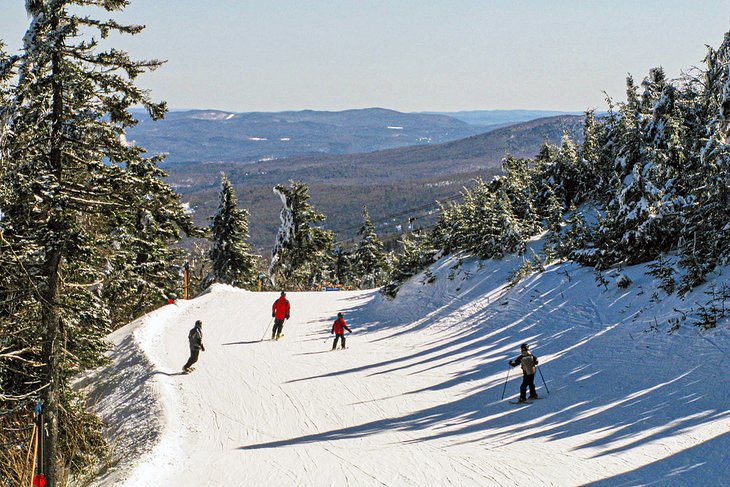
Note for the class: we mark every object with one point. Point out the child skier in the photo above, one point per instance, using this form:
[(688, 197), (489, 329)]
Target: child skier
[(280, 312), (338, 328), (195, 340), (529, 366)]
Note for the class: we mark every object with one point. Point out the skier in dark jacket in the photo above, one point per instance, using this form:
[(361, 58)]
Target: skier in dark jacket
[(280, 312), (338, 328), (195, 339), (529, 366)]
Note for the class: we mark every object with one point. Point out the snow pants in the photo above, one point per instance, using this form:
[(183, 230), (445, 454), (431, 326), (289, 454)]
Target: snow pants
[(194, 353), (278, 328), (527, 381), (337, 337)]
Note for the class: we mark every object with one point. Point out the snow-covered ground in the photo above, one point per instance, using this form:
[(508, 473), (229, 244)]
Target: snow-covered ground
[(415, 399)]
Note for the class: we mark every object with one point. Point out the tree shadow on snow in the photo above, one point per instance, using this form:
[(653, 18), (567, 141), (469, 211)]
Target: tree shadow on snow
[(169, 374), (249, 342), (710, 457)]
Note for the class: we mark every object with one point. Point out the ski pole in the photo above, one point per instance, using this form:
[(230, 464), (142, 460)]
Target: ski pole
[(543, 379), (266, 330), (504, 389), (33, 441)]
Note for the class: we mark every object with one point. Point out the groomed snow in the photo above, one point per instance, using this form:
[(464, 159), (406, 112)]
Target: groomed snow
[(415, 399)]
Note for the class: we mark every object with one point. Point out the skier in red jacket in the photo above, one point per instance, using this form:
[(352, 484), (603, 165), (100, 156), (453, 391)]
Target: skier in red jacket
[(280, 312), (338, 328)]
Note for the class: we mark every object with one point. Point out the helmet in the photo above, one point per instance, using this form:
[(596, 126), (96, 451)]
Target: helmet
[(198, 323), (524, 346), (283, 293), (340, 315)]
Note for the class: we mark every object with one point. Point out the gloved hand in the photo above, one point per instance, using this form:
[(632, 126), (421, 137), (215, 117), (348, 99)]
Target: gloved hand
[(287, 317), (273, 315), (202, 348)]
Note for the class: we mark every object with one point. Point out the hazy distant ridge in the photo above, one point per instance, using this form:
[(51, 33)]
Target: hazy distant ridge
[(221, 136), (501, 118)]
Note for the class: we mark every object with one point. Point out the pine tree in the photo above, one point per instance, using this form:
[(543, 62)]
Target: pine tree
[(146, 268), (418, 253), (369, 253), (231, 259), (301, 255), (343, 272), (562, 172), (576, 242), (593, 175), (619, 238), (81, 208), (706, 231), (553, 221), (518, 186)]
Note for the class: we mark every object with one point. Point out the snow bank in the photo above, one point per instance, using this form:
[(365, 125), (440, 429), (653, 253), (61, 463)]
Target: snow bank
[(124, 397)]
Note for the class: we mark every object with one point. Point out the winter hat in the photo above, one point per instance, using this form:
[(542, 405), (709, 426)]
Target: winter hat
[(525, 346), (283, 293), (340, 315), (198, 323)]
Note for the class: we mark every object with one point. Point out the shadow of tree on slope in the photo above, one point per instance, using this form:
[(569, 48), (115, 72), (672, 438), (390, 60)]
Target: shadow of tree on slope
[(711, 457)]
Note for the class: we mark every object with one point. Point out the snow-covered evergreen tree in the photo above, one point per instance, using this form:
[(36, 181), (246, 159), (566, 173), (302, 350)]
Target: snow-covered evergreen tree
[(81, 209), (369, 253), (418, 253), (638, 224), (146, 268), (231, 259), (301, 255), (558, 168), (494, 218), (343, 272), (706, 232), (593, 174)]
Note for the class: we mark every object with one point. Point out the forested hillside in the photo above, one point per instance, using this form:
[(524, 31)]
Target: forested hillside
[(396, 184), (650, 181)]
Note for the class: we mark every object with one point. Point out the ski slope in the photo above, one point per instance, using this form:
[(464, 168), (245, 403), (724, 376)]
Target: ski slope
[(415, 399)]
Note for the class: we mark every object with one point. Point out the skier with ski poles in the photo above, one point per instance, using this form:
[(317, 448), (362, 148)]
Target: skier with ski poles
[(338, 328), (279, 311), (195, 340), (529, 365)]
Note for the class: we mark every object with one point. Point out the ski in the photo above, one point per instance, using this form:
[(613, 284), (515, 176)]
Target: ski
[(529, 401)]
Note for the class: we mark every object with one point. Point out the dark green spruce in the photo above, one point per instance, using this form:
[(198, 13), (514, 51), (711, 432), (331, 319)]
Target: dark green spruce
[(302, 255), (87, 221), (231, 259)]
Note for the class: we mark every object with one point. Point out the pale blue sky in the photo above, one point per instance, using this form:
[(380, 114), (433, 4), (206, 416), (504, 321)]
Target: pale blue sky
[(408, 55)]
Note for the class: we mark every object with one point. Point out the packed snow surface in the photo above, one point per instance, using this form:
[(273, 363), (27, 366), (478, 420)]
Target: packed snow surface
[(415, 399)]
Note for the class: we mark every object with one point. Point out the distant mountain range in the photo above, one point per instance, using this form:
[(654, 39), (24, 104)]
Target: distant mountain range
[(395, 184), (220, 136), (216, 136), (491, 119)]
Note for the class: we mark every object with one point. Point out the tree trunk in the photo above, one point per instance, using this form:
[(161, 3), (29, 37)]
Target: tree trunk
[(51, 306), (51, 357)]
